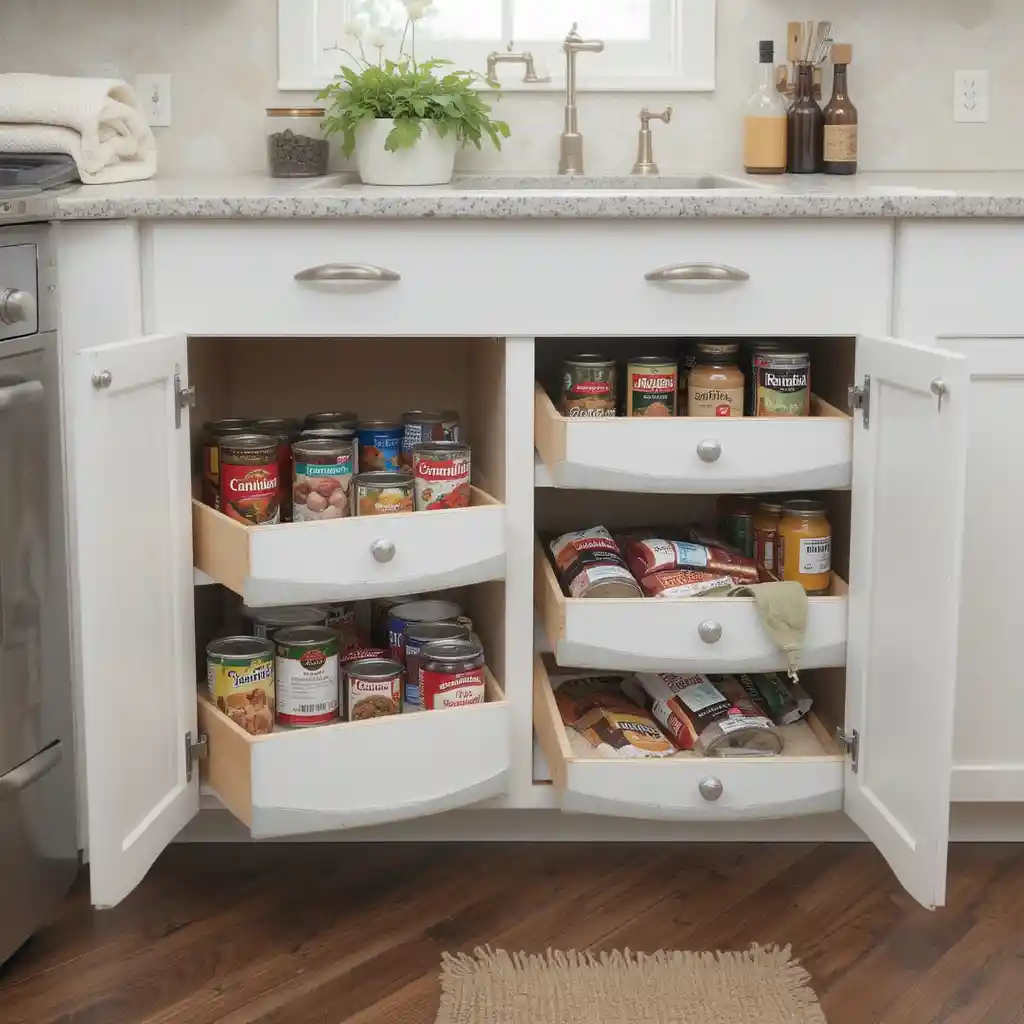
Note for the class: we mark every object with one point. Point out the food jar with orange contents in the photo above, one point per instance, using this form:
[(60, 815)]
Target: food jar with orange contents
[(805, 546), (766, 536)]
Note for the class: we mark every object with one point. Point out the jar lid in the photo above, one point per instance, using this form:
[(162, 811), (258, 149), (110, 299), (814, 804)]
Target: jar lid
[(295, 111), (718, 348), (770, 506), (589, 359), (807, 509), (249, 442)]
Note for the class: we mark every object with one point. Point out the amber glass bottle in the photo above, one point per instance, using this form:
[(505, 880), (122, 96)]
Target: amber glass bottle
[(840, 141), (806, 124)]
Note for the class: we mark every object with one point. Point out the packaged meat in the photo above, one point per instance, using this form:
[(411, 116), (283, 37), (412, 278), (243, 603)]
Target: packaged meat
[(646, 557), (686, 583)]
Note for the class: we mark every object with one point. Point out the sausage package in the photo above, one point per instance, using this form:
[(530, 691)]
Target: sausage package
[(686, 583), (645, 557)]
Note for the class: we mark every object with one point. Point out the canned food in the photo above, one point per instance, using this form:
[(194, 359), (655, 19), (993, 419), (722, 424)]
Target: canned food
[(307, 676), (240, 679), (589, 387), (417, 636), (249, 482), (212, 432), (452, 426), (339, 431), (286, 430), (373, 687), (323, 477), (417, 427), (379, 494), (380, 612), (380, 446), (265, 622), (330, 419), (452, 675), (442, 471), (651, 386), (341, 617), (756, 348), (403, 615), (782, 384)]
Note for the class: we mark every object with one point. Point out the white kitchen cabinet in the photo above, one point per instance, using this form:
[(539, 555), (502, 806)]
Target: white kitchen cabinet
[(959, 289)]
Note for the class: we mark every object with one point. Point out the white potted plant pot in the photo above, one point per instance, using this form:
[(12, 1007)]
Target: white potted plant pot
[(430, 162)]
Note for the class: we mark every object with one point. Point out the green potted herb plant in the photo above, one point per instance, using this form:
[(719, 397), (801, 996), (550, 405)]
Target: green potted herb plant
[(403, 119)]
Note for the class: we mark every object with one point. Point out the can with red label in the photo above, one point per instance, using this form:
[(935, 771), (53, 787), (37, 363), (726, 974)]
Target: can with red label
[(452, 675), (373, 687), (403, 615), (307, 667), (209, 456), (589, 387), (419, 635), (250, 482), (651, 386), (441, 470), (287, 431)]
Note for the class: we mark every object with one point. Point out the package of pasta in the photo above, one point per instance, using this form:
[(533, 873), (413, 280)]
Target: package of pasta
[(625, 733), (577, 697), (646, 557)]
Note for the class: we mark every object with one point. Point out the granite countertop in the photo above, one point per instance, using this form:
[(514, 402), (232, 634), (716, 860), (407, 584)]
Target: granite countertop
[(978, 194)]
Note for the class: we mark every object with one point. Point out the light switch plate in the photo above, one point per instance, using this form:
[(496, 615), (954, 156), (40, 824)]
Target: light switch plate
[(154, 92), (970, 97)]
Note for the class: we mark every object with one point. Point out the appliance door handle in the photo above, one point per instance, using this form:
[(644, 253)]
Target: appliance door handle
[(32, 770), (697, 272), (30, 391), (348, 272)]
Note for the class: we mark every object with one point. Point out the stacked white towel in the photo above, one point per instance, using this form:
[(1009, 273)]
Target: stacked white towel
[(97, 121)]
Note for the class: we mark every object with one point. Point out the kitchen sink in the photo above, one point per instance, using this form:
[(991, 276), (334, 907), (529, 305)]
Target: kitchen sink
[(568, 183)]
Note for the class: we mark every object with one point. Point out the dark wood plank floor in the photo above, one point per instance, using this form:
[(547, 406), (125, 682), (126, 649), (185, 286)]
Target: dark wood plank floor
[(297, 934)]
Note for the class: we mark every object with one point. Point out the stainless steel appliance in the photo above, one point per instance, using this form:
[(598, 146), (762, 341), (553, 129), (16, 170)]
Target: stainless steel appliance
[(38, 831)]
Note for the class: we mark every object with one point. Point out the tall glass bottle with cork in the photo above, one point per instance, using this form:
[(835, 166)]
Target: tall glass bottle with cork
[(764, 123), (841, 119)]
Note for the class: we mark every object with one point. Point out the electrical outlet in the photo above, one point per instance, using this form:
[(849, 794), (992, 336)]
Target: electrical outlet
[(970, 97), (154, 92)]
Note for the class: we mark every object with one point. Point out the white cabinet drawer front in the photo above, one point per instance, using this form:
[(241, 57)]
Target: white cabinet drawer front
[(358, 773), (519, 278), (685, 788), (684, 455), (348, 559), (959, 279), (668, 634)]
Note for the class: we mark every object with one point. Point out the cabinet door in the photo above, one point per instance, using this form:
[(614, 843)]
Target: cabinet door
[(129, 449), (909, 470)]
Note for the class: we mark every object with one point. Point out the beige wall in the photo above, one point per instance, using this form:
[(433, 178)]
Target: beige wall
[(222, 54)]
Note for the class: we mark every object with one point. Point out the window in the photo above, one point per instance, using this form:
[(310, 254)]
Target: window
[(650, 45)]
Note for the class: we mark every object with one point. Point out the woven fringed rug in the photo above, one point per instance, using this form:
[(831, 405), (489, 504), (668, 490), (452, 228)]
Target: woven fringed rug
[(762, 986)]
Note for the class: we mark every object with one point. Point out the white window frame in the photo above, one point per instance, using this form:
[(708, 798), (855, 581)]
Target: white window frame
[(302, 66)]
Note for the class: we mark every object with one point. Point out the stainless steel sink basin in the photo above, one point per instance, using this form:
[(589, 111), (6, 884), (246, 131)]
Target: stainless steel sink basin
[(341, 183)]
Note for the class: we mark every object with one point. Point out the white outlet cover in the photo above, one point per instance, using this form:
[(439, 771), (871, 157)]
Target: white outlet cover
[(970, 97)]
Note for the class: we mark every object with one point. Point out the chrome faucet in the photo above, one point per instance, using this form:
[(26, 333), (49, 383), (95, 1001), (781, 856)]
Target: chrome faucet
[(508, 57), (645, 144), (571, 159)]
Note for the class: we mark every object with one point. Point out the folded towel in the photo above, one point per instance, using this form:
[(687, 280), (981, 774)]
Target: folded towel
[(783, 611), (96, 121)]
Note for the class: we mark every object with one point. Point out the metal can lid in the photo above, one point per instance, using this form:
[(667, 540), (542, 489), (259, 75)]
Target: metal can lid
[(783, 360), (426, 611), (379, 425), (317, 419), (240, 647), (287, 615), (329, 433), (441, 448), (231, 425), (374, 668), (803, 508), (384, 479), (429, 632), (249, 442), (284, 424), (419, 416), (305, 636), (452, 652), (321, 445)]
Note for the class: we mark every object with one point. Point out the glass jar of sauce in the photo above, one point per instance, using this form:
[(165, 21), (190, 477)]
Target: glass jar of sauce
[(716, 383), (766, 536), (805, 546)]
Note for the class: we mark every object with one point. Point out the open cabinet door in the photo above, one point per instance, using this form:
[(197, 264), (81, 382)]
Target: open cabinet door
[(909, 472), (132, 526)]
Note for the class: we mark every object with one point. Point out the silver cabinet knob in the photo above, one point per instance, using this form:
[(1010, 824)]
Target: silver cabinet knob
[(710, 788), (710, 631), (17, 307), (102, 380), (383, 550), (709, 450)]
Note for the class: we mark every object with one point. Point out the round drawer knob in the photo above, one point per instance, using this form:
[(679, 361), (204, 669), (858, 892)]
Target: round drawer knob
[(383, 550), (711, 788), (709, 450), (710, 631)]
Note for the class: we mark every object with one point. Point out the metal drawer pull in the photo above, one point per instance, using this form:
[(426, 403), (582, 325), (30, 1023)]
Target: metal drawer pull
[(710, 631), (710, 788), (347, 272), (697, 272), (32, 770), (709, 450), (383, 550), (27, 392)]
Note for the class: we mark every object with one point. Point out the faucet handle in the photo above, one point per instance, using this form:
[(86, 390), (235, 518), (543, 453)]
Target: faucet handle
[(647, 116)]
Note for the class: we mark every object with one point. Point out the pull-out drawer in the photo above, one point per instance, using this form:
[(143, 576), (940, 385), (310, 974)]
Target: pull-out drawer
[(718, 634), (358, 773), (346, 559), (693, 455), (806, 779), (573, 277)]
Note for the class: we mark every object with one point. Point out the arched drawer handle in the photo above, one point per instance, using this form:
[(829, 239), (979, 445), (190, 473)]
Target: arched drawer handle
[(709, 450), (348, 272), (698, 272), (710, 788), (383, 550), (710, 631)]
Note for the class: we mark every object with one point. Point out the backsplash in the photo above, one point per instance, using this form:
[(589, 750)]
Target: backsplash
[(223, 58)]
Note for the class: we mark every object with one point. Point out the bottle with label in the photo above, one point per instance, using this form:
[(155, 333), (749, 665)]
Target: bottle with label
[(765, 121), (806, 124), (716, 383), (805, 546), (841, 118)]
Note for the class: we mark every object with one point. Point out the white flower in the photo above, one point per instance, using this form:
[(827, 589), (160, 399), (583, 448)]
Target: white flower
[(358, 26), (417, 9), (377, 37)]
